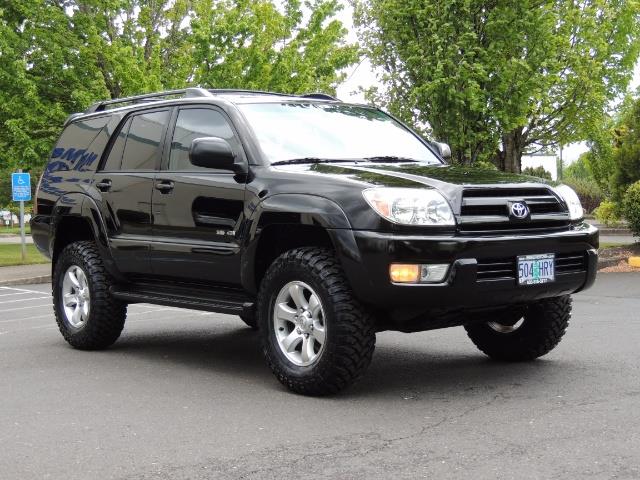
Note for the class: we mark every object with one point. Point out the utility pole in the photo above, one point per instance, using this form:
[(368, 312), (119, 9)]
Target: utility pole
[(560, 165)]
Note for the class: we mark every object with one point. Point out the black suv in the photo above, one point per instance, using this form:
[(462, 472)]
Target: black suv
[(318, 222)]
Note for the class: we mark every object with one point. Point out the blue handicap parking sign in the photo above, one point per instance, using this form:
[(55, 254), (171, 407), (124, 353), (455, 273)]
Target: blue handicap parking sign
[(21, 187)]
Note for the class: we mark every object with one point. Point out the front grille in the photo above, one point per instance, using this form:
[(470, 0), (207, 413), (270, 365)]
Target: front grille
[(571, 262), (497, 269), (486, 210), (505, 268)]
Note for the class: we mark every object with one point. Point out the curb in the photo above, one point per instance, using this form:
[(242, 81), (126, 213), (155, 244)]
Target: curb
[(610, 262), (25, 281)]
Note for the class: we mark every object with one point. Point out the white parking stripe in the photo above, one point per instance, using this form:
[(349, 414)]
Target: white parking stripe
[(24, 300), (23, 290), (28, 328), (24, 308), (50, 315), (13, 293), (23, 319), (53, 324)]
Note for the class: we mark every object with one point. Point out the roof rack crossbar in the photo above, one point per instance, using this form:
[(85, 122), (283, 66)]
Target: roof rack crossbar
[(187, 92)]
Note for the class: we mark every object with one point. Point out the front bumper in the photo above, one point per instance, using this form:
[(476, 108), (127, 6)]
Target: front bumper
[(368, 272)]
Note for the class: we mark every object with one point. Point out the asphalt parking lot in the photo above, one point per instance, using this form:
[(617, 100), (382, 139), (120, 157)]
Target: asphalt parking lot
[(186, 394)]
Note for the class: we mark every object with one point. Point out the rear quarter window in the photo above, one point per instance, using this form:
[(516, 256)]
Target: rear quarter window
[(80, 146)]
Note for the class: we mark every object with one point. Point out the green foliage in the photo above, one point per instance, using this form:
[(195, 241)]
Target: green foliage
[(57, 57), (579, 169), (516, 75), (539, 172), (608, 213), (604, 141), (588, 191), (631, 207), (485, 165), (627, 151)]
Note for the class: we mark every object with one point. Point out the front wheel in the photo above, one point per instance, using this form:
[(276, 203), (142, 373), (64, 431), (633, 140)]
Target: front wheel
[(525, 336), (315, 336)]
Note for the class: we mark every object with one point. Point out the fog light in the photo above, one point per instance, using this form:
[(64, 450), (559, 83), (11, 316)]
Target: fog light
[(408, 273), (434, 273), (401, 273)]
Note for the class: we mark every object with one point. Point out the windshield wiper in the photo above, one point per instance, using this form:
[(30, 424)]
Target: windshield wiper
[(310, 160), (390, 158)]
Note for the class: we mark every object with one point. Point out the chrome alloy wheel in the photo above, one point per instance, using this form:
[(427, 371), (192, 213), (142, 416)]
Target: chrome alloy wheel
[(298, 322), (75, 296), (502, 328)]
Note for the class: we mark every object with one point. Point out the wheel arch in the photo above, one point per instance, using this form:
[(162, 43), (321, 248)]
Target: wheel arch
[(76, 217), (287, 221)]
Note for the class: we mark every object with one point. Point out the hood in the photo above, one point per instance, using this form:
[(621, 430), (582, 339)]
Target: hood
[(344, 182), (412, 175)]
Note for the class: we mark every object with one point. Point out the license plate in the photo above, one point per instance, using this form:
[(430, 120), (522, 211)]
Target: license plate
[(535, 269)]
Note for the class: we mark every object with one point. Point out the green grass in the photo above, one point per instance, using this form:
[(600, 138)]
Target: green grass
[(15, 230), (614, 245), (10, 255)]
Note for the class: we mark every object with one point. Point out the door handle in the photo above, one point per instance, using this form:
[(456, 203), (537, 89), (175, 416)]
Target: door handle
[(165, 186), (104, 185)]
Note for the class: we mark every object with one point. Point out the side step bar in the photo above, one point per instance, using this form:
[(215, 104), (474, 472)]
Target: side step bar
[(230, 302)]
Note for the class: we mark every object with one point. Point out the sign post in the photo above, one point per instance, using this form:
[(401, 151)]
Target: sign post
[(21, 191)]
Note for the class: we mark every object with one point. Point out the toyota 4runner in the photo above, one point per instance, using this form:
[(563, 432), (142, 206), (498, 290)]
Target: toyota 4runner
[(318, 222)]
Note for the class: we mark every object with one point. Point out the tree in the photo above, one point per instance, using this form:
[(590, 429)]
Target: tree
[(497, 78), (539, 172), (58, 56), (626, 151)]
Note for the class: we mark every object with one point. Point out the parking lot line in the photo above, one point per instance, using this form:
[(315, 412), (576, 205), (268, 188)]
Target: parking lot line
[(13, 293), (54, 325), (23, 290), (25, 308), (24, 299)]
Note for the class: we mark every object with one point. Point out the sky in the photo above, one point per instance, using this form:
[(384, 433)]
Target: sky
[(363, 75)]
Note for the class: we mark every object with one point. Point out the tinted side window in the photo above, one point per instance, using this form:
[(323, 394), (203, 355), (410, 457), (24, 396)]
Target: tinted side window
[(73, 150), (114, 160), (142, 146), (195, 123)]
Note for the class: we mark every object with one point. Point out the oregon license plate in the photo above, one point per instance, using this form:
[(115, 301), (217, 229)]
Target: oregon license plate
[(534, 269)]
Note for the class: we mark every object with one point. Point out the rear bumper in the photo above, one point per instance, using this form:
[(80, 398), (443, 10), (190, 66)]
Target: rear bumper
[(463, 287)]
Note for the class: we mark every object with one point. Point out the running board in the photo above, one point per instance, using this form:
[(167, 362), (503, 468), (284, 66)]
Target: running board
[(233, 302)]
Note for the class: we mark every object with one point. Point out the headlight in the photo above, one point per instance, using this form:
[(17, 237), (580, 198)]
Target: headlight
[(409, 206), (571, 199)]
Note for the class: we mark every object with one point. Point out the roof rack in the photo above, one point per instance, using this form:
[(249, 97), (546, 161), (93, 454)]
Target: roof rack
[(187, 92), (194, 92), (319, 96), (316, 95)]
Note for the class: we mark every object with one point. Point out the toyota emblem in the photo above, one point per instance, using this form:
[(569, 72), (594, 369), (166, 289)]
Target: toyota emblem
[(519, 210)]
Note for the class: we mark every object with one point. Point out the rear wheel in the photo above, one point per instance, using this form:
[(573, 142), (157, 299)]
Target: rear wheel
[(88, 317), (315, 336), (523, 336)]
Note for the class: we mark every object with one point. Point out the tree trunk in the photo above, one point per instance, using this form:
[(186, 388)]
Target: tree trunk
[(512, 149)]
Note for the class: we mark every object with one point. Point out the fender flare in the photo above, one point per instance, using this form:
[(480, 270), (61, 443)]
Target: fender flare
[(81, 205), (296, 209)]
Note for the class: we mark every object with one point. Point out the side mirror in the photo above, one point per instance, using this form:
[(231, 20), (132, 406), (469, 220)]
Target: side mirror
[(443, 149), (213, 152)]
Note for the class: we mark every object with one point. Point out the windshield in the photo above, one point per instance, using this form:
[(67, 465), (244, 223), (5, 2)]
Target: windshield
[(291, 131)]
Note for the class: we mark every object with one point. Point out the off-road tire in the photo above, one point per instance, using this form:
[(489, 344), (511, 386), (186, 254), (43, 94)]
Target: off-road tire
[(350, 338), (106, 316), (544, 325)]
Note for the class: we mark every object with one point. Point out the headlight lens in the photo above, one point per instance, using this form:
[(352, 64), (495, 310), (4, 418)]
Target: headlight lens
[(409, 206), (573, 202)]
